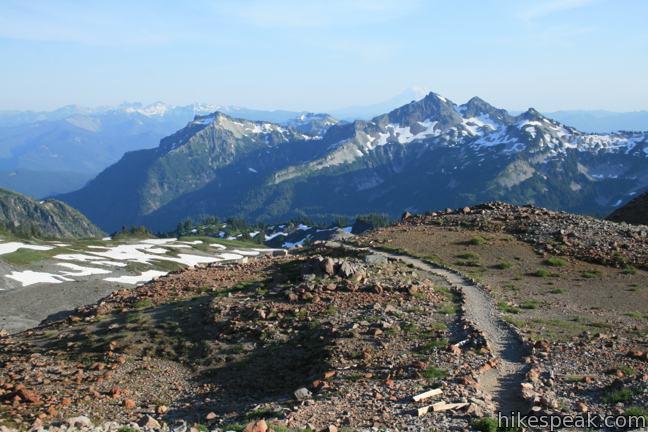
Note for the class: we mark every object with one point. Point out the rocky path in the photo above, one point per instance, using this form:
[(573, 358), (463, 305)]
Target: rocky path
[(503, 382)]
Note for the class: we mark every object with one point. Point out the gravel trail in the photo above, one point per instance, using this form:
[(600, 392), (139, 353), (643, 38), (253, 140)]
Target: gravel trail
[(502, 382)]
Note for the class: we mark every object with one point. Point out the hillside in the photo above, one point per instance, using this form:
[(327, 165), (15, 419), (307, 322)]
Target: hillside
[(634, 212), (441, 321), (431, 153), (52, 219)]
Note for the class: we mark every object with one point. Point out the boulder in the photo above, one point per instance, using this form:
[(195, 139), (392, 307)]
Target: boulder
[(328, 266), (345, 269)]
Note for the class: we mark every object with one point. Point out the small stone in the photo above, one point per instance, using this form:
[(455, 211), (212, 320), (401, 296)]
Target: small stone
[(455, 349), (27, 395), (257, 426), (329, 374), (302, 394), (149, 422), (79, 422), (129, 404), (162, 409), (474, 410)]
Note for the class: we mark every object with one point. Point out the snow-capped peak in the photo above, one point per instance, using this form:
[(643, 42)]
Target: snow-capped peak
[(156, 109)]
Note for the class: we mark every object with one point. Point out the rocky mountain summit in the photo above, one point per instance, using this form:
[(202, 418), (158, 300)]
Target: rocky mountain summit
[(430, 153), (51, 219)]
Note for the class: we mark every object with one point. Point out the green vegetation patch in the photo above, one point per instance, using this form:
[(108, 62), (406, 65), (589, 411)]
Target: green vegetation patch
[(476, 241), (508, 308), (591, 274), (555, 262), (434, 373), (615, 396)]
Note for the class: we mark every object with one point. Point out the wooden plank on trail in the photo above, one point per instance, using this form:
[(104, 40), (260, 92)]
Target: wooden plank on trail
[(427, 394)]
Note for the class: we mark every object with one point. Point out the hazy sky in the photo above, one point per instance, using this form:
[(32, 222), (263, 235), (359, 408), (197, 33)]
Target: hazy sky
[(320, 55)]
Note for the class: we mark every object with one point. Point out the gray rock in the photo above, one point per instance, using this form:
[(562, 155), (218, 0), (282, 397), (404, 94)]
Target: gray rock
[(328, 266), (302, 394), (346, 269), (79, 422), (375, 259)]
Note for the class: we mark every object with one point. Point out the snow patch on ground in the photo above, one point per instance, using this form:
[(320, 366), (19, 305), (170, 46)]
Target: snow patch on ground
[(11, 247), (230, 256), (29, 277), (82, 271), (269, 237), (245, 252), (159, 241), (137, 279)]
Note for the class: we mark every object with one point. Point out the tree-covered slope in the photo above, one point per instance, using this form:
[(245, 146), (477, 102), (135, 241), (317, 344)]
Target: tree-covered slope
[(51, 219)]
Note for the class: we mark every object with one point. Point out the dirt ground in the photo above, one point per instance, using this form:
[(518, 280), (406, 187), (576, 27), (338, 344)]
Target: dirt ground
[(237, 342), (543, 296)]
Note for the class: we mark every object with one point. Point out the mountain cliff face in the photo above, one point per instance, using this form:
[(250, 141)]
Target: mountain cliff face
[(51, 219), (634, 212), (430, 153)]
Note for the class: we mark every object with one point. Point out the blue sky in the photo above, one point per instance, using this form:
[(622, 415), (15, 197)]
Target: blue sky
[(321, 55)]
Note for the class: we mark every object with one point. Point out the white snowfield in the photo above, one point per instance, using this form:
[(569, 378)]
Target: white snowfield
[(11, 247), (105, 260), (29, 277)]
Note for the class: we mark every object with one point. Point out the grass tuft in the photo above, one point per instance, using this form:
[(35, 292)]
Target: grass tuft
[(434, 373), (555, 262)]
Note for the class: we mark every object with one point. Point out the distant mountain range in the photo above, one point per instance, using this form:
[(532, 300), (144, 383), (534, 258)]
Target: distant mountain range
[(51, 152), (427, 154), (45, 153), (24, 217)]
